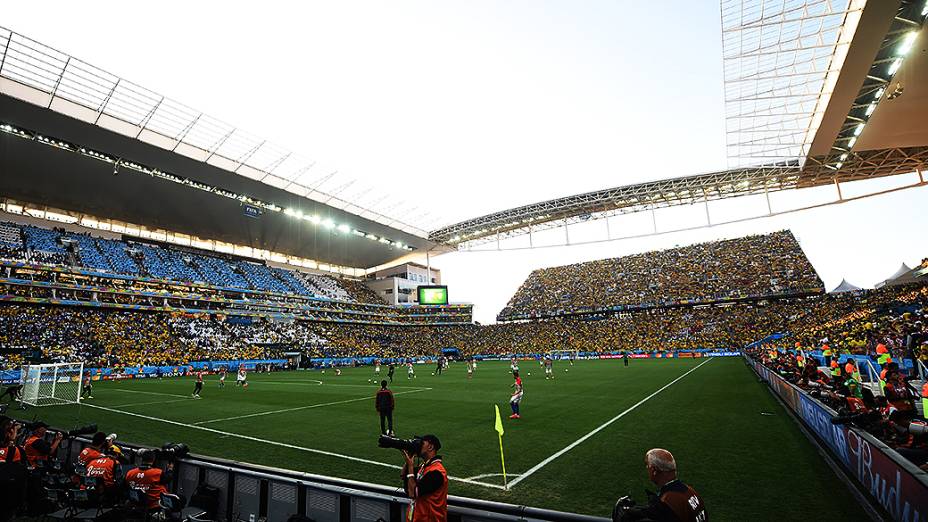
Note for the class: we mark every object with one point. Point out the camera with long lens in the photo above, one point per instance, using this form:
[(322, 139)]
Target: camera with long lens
[(621, 508), (412, 446), (173, 450)]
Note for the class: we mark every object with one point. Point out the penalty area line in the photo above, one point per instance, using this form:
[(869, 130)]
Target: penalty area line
[(299, 408), (281, 444), (601, 427)]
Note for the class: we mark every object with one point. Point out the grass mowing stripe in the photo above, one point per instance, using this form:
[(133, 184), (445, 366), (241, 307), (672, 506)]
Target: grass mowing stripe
[(601, 427), (298, 408), (133, 404), (281, 444), (148, 393)]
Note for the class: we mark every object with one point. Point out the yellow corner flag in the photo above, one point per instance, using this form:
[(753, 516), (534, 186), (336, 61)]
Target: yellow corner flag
[(500, 431), (499, 422)]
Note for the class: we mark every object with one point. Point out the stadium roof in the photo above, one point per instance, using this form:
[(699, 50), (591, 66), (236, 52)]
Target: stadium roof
[(814, 96), (65, 125)]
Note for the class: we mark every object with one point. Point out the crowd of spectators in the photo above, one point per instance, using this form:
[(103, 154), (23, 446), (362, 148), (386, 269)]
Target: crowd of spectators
[(748, 266), (850, 323), (56, 246)]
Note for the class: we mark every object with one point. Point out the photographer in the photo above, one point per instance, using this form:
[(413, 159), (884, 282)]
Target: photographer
[(674, 501), (97, 446), (39, 450), (13, 475), (427, 486), (151, 480)]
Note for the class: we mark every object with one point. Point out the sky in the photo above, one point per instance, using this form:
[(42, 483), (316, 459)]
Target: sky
[(456, 109)]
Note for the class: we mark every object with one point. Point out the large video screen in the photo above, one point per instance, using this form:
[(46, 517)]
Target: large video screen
[(433, 295)]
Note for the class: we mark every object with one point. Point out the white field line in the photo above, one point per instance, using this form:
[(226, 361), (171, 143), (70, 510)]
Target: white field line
[(147, 392), (319, 383), (602, 426), (281, 444), (488, 475), (131, 404), (298, 408)]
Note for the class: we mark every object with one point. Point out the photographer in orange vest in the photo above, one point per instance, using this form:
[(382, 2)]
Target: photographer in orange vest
[(427, 486)]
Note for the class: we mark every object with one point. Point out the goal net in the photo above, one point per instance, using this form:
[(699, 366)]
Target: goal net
[(563, 354), (52, 384)]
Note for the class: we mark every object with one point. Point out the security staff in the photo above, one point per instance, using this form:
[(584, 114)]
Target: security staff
[(427, 486), (38, 450), (674, 502), (150, 480)]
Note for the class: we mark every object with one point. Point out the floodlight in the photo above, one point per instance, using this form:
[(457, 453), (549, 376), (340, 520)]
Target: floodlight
[(895, 66), (344, 228), (907, 43)]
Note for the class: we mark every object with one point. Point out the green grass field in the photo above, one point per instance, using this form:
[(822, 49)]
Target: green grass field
[(747, 466)]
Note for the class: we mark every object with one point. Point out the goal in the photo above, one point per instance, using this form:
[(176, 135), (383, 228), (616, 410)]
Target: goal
[(564, 354), (52, 384)]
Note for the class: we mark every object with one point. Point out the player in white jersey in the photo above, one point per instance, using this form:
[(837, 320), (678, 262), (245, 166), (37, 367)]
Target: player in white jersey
[(242, 378), (514, 365), (376, 378), (410, 372), (222, 377), (549, 367), (470, 369)]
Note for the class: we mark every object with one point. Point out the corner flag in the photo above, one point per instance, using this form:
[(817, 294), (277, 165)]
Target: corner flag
[(500, 431)]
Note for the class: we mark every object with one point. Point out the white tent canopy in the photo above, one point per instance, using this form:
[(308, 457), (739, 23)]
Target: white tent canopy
[(845, 287)]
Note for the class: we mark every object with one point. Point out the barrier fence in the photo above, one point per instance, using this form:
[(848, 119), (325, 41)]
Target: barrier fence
[(888, 479), (250, 490)]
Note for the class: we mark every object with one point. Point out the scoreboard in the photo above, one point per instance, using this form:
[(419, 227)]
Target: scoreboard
[(433, 295)]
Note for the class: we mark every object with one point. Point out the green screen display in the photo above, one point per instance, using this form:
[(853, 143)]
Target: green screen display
[(433, 295)]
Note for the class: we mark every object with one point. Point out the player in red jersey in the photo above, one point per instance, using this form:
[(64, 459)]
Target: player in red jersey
[(516, 397), (198, 386)]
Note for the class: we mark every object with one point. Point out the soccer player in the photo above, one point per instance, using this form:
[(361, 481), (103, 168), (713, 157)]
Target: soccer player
[(222, 377), (242, 378), (377, 369), (516, 397), (87, 389), (549, 367), (440, 366), (198, 385), (470, 369), (514, 366), (391, 368), (410, 372)]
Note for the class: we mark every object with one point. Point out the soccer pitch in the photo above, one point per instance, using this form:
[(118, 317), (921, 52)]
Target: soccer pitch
[(578, 446)]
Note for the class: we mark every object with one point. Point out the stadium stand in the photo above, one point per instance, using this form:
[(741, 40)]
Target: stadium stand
[(134, 258), (750, 266)]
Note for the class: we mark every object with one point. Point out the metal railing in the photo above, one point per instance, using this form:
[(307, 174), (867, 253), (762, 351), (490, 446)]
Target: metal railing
[(275, 494)]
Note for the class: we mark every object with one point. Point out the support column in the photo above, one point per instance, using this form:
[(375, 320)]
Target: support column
[(654, 219), (838, 186), (428, 268), (767, 195)]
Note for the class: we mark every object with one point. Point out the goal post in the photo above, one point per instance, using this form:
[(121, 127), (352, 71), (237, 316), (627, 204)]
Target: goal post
[(52, 384)]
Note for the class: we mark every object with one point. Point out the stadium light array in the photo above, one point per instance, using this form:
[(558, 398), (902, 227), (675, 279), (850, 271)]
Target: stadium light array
[(315, 219), (907, 43)]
